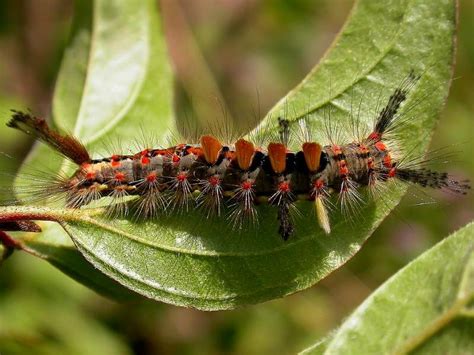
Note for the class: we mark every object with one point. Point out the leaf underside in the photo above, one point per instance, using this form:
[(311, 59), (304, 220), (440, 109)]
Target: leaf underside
[(191, 261), (422, 309)]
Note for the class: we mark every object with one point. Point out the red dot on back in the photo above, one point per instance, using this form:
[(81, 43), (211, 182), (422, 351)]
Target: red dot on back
[(119, 176), (181, 176), (380, 146), (246, 185), (214, 180), (284, 187), (151, 177)]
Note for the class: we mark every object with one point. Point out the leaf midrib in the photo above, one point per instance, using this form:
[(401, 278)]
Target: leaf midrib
[(189, 295)]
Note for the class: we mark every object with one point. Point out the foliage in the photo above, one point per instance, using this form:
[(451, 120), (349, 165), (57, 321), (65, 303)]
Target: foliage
[(104, 92), (425, 308)]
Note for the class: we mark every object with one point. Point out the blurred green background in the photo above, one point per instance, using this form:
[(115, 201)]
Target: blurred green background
[(238, 48)]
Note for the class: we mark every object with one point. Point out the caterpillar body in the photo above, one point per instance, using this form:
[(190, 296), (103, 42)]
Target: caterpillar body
[(239, 175)]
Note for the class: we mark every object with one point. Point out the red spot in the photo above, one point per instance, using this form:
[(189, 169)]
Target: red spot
[(363, 149), (145, 157), (336, 150), (380, 146), (392, 172), (318, 184), (214, 180), (387, 161), (181, 177), (370, 163), (246, 185), (151, 177), (120, 177), (374, 136), (343, 170), (284, 187), (90, 175), (175, 158), (115, 161)]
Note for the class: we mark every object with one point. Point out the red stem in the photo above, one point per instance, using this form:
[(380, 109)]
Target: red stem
[(21, 216), (8, 241)]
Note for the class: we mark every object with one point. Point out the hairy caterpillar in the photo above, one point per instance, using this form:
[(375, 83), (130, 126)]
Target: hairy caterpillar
[(240, 175)]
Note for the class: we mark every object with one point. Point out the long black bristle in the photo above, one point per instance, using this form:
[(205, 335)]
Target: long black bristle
[(389, 112), (433, 179)]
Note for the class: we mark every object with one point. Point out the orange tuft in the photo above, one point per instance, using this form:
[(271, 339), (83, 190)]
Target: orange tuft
[(277, 155), (387, 161), (312, 155), (244, 151), (380, 146), (374, 136), (392, 172), (211, 148)]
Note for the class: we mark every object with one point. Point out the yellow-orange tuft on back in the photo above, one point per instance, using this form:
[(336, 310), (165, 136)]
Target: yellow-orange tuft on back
[(244, 152), (277, 155), (211, 148), (312, 155)]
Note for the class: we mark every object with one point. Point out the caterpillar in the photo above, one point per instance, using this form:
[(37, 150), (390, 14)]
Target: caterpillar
[(240, 175)]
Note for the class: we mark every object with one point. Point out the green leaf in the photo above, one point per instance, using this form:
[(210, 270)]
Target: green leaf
[(43, 313), (4, 252), (64, 255), (114, 46), (423, 308), (188, 260), (114, 78)]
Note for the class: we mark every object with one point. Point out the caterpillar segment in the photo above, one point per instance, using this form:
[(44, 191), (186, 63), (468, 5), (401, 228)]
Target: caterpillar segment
[(236, 177), (243, 211), (281, 168)]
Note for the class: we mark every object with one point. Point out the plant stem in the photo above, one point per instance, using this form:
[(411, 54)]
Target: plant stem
[(22, 213)]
